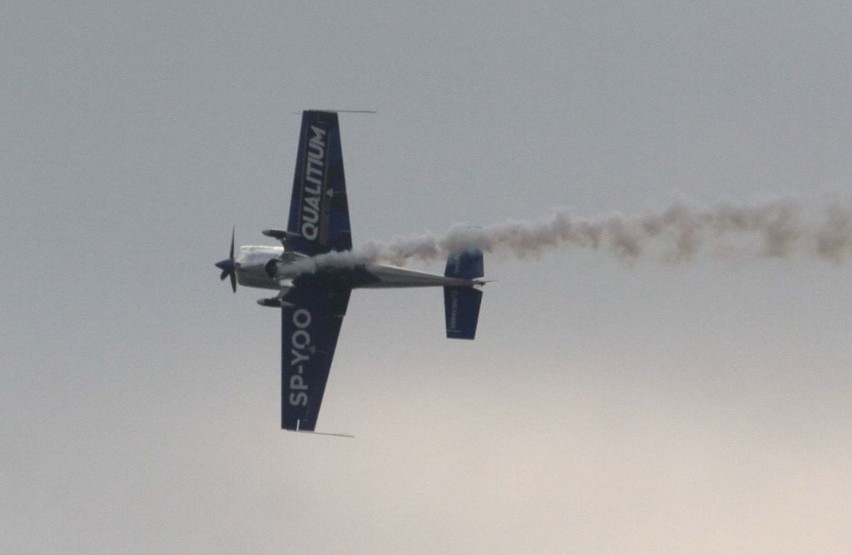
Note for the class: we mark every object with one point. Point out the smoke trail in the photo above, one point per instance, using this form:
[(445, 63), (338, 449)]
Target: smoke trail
[(773, 229)]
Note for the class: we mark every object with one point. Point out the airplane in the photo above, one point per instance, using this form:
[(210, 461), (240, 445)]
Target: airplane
[(313, 298)]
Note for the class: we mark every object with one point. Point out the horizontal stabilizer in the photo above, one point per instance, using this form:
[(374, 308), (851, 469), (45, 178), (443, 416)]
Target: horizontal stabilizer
[(461, 308), (465, 265)]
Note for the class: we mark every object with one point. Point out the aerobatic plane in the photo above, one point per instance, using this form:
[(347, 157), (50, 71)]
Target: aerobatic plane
[(313, 298)]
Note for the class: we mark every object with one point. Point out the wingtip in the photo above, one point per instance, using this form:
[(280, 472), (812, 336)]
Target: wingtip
[(333, 434), (337, 111)]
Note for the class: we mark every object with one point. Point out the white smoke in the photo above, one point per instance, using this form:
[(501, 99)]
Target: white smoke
[(772, 229)]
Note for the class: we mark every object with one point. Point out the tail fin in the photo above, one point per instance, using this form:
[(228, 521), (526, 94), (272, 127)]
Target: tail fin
[(461, 303)]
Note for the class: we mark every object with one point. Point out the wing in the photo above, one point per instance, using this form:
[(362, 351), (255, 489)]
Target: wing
[(309, 330), (319, 212)]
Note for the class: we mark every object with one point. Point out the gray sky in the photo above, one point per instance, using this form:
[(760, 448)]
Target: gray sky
[(604, 407)]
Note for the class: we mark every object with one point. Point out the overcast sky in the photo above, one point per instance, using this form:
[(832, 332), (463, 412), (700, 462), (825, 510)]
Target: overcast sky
[(604, 406)]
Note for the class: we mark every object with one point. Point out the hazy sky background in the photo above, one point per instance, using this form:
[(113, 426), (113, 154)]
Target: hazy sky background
[(604, 407)]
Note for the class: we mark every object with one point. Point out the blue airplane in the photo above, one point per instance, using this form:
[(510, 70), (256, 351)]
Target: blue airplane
[(313, 298)]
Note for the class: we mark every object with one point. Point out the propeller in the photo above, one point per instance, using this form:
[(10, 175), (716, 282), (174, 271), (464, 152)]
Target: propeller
[(228, 266)]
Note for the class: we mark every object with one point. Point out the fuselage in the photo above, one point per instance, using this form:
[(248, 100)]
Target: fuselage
[(266, 267)]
